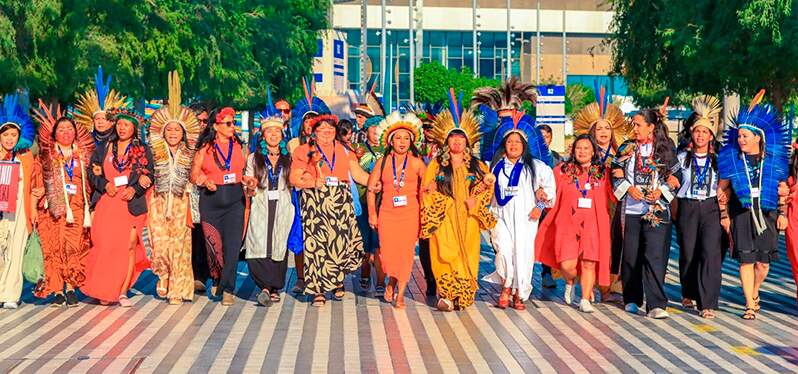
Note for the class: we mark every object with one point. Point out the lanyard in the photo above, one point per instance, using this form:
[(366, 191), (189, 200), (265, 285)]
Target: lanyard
[(606, 155), (370, 149), (515, 176), (70, 169), (700, 174), (120, 166), (272, 176), (397, 184), (331, 165), (229, 157), (582, 190), (748, 172)]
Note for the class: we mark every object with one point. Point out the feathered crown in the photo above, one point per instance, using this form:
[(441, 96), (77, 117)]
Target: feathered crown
[(706, 107), (523, 125), (169, 179), (602, 109), (99, 99), (509, 96), (308, 104), (763, 120), (13, 114), (270, 116), (400, 121), (454, 119), (47, 117)]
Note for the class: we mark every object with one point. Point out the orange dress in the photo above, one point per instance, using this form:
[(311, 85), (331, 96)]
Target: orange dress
[(107, 262), (398, 226)]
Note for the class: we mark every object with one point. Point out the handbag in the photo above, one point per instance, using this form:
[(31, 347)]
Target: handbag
[(33, 260)]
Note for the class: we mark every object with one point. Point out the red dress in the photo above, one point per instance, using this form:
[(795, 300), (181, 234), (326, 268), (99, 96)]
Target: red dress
[(792, 228), (107, 262), (398, 226), (568, 231)]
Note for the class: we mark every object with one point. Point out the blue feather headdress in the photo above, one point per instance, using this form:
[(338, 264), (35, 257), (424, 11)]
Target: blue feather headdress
[(763, 120), (524, 125), (13, 114), (308, 104), (270, 115)]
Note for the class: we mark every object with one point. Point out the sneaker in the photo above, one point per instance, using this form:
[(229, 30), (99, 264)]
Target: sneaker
[(570, 293), (548, 281), (71, 299), (658, 313), (58, 300), (585, 306), (11, 305), (631, 308)]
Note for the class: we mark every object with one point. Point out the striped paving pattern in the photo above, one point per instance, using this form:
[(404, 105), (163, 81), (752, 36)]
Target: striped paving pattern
[(362, 334)]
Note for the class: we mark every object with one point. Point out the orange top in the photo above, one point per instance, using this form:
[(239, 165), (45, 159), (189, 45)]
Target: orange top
[(213, 171), (338, 157)]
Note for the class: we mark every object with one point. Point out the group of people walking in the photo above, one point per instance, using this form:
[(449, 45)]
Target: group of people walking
[(112, 194)]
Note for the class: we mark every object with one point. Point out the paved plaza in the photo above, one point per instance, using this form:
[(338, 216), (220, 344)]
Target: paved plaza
[(362, 334)]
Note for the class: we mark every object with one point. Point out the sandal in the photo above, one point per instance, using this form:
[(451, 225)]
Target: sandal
[(339, 293), (518, 304), (264, 298), (400, 304), (445, 305), (756, 307), (504, 299), (124, 302), (708, 314), (319, 300), (365, 283), (161, 288), (379, 291), (688, 304), (388, 296), (274, 297), (749, 315)]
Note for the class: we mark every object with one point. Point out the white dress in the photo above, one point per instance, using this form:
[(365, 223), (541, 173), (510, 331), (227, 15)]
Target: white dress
[(13, 238), (513, 238), (255, 243)]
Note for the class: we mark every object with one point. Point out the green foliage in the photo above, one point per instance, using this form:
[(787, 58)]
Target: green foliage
[(225, 51), (433, 80), (680, 48)]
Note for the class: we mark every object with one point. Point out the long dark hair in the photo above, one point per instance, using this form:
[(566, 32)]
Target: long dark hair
[(444, 185), (345, 127), (613, 142), (208, 135), (259, 162), (663, 145), (571, 162), (135, 141), (686, 139), (526, 157)]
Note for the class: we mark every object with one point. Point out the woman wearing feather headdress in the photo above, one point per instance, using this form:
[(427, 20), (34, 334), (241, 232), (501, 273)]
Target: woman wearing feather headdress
[(752, 163), (399, 208), (639, 176), (121, 173), (575, 235), (173, 138), (64, 150), (607, 126), (698, 216), (524, 187), (456, 191), (218, 168), (323, 170), (274, 226), (93, 108), (16, 224)]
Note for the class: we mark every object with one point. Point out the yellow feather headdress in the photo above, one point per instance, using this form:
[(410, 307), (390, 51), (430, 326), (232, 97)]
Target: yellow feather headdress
[(707, 107), (100, 99), (602, 109), (171, 171)]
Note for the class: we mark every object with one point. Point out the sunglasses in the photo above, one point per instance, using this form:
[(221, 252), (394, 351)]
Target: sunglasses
[(285, 111), (227, 123)]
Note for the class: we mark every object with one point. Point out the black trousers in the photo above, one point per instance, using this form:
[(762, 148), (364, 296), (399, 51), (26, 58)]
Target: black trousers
[(199, 254), (700, 251), (222, 214), (423, 256), (645, 260)]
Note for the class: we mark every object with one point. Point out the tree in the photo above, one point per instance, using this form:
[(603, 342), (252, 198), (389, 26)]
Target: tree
[(433, 80), (684, 47), (225, 51)]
